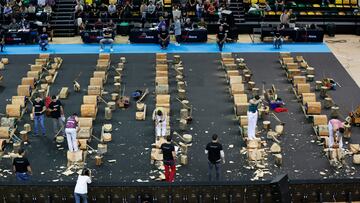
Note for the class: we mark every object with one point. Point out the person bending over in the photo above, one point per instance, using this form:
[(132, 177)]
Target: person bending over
[(164, 37), (43, 40), (107, 34)]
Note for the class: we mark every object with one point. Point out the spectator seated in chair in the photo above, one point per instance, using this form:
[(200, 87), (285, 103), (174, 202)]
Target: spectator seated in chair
[(278, 40), (43, 40), (108, 39)]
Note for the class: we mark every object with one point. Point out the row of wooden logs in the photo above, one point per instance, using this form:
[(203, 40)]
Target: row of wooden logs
[(312, 108), (235, 71), (44, 71)]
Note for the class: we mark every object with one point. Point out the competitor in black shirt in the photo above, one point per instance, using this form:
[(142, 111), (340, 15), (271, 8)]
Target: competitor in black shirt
[(38, 112), (57, 115), (215, 154), (164, 37), (221, 37), (169, 155), (21, 167)]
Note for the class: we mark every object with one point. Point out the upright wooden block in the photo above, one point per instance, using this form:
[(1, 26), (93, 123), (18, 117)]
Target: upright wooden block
[(94, 90), (88, 110), (96, 82), (162, 100), (314, 108), (161, 80), (13, 110), (243, 121), (320, 120), (235, 80), (90, 99), (33, 74), (4, 132), (24, 90), (162, 74), (237, 88), (299, 79), (19, 100), (104, 56), (64, 92), (100, 74), (75, 156), (36, 68), (303, 88), (28, 81), (44, 56), (161, 67), (308, 97)]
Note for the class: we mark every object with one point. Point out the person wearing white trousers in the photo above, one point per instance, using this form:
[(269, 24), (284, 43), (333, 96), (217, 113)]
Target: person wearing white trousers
[(71, 131), (252, 116), (160, 122), (252, 121), (337, 127)]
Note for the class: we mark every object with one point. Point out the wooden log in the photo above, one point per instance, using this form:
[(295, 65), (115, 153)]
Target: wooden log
[(318, 85), (117, 79), (140, 106), (335, 112), (328, 102), (303, 88), (28, 81), (247, 78), (104, 56), (5, 133), (184, 114), (13, 110), (177, 59), (182, 124), (88, 110), (251, 85), (100, 74), (64, 92), (278, 159), (90, 99), (111, 105), (108, 113), (20, 100), (356, 159), (243, 121), (279, 129), (123, 59), (24, 90), (106, 137), (42, 93), (24, 136), (49, 79), (98, 160), (2, 66), (102, 148), (94, 90), (27, 127), (266, 125), (347, 132), (96, 82), (323, 92), (185, 104), (313, 108), (183, 159), (162, 89), (16, 147), (179, 78), (76, 156), (59, 139), (114, 96), (310, 71), (117, 87), (182, 94), (255, 91), (310, 78), (5, 61), (33, 74), (180, 85), (299, 79)]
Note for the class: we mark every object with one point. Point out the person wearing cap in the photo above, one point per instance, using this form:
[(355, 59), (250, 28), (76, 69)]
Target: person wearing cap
[(38, 110), (71, 129), (57, 115), (252, 115)]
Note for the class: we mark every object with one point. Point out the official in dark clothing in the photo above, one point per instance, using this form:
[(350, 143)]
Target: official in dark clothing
[(169, 155), (57, 115), (108, 39), (216, 155), (221, 37), (21, 167), (164, 37), (38, 112)]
